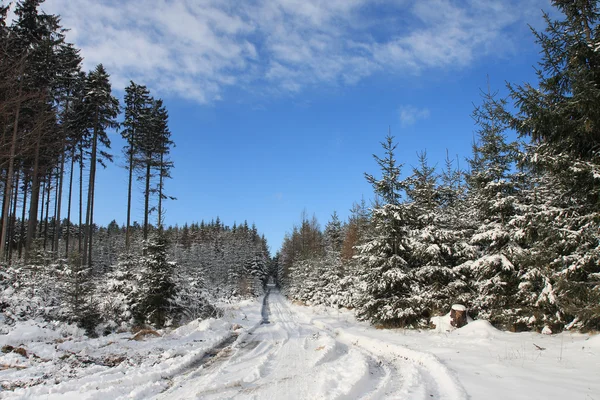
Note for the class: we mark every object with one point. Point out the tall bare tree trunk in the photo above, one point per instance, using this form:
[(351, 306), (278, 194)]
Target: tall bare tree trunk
[(54, 244), (23, 231), (160, 191), (43, 203), (47, 209), (34, 200), (128, 231), (59, 181), (11, 168), (93, 190), (80, 231), (87, 247), (13, 220), (5, 205), (68, 233), (147, 199)]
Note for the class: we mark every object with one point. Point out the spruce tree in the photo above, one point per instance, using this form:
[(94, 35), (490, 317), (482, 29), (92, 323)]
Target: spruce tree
[(494, 199), (431, 238), (385, 257), (77, 293), (157, 287), (560, 113), (333, 271), (388, 187)]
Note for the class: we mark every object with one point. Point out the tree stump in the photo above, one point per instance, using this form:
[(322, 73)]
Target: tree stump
[(458, 316)]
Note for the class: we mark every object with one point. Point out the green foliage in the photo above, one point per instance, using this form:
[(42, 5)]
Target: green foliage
[(389, 186), (77, 289), (562, 116), (157, 288)]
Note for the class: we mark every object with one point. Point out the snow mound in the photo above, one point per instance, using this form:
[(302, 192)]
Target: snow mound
[(210, 324), (480, 328), (442, 323), (27, 332)]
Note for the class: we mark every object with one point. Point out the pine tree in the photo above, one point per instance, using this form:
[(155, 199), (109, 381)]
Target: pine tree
[(38, 36), (102, 109), (78, 143), (164, 163), (137, 120)]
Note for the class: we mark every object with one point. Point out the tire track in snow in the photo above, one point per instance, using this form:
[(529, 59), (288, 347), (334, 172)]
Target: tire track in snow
[(295, 357), (287, 359), (423, 376)]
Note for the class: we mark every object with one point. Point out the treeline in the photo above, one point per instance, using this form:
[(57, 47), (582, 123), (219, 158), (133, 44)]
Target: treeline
[(171, 278), (54, 122), (56, 263), (516, 237)]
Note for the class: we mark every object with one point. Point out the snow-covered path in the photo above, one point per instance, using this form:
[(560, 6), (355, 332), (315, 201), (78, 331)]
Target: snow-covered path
[(291, 358), (293, 352)]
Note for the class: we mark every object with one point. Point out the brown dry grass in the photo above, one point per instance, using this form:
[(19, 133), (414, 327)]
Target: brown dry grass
[(144, 333)]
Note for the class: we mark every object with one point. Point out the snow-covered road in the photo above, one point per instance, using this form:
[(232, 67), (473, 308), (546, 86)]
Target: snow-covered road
[(289, 351), (289, 357)]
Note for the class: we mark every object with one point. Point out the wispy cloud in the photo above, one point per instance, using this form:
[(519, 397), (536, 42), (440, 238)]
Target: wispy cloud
[(409, 115), (197, 48)]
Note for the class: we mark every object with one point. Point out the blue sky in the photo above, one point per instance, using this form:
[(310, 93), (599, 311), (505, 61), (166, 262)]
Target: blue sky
[(278, 105)]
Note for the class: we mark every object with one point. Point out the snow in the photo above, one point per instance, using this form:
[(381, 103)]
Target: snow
[(459, 307), (488, 363), (478, 329), (62, 366), (28, 331), (298, 352)]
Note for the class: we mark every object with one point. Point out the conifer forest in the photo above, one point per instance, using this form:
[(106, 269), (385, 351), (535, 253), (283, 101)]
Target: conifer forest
[(58, 264), (514, 236), (477, 276)]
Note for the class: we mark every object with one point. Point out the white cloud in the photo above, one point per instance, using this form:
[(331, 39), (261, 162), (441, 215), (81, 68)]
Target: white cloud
[(409, 115), (197, 48)]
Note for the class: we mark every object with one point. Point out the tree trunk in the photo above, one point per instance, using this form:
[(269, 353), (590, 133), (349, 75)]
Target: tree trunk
[(5, 205), (68, 233), (41, 225), (80, 231), (91, 230), (160, 191), (53, 245), (23, 232), (147, 199), (458, 316), (87, 249), (128, 231), (47, 210), (34, 200), (60, 180), (11, 168), (13, 220), (58, 200)]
